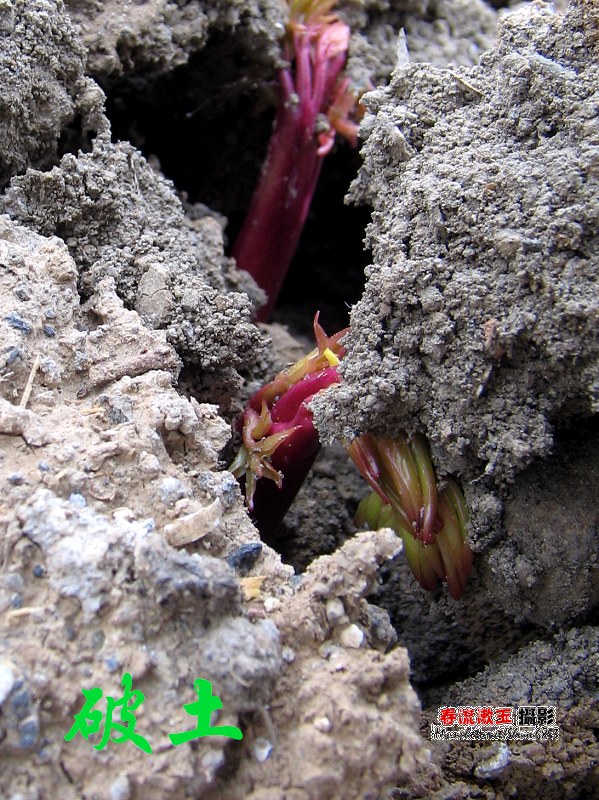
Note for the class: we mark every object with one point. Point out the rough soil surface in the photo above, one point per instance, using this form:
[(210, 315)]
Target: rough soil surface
[(125, 334), (47, 90), (478, 321), (122, 221), (560, 671), (161, 34), (478, 326), (106, 472), (482, 287), (340, 686), (94, 496), (106, 291)]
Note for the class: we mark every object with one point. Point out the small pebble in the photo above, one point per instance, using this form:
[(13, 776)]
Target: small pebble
[(262, 749), (22, 292), (14, 581), (81, 362), (15, 353), (352, 636), (229, 490), (44, 756), (171, 490), (149, 463), (296, 581), (111, 664), (244, 558), (28, 732), (120, 789), (77, 500), (335, 609), (20, 704), (323, 724), (7, 681), (16, 321), (491, 767)]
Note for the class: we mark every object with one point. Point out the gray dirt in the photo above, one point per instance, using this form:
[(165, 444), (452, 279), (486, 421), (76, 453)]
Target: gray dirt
[(478, 322)]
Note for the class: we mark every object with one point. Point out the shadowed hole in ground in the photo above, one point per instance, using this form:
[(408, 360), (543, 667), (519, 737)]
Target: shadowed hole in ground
[(208, 123)]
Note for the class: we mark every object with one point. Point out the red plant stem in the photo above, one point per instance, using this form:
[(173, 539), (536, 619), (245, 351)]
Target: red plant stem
[(289, 408), (271, 503), (309, 90), (269, 236), (294, 457)]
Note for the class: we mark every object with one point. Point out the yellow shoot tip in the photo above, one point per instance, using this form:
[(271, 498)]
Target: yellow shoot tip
[(311, 12), (331, 357)]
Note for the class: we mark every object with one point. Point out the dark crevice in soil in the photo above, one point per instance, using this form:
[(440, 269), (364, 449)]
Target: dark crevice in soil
[(327, 273), (208, 123), (447, 649), (321, 517), (576, 431), (74, 139)]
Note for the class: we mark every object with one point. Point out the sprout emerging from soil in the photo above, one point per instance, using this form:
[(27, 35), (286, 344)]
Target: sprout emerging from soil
[(432, 524), (315, 103), (279, 440), (280, 443)]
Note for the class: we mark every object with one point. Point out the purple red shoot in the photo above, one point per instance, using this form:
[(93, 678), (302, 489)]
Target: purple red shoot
[(315, 103), (432, 525), (279, 440)]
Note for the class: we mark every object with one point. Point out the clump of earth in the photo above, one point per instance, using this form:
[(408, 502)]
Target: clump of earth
[(131, 138)]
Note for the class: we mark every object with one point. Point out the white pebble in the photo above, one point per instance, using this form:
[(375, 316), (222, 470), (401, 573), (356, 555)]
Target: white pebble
[(272, 604), (491, 767), (335, 609), (120, 789), (7, 681), (262, 749), (323, 724), (352, 636)]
